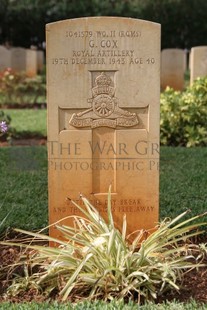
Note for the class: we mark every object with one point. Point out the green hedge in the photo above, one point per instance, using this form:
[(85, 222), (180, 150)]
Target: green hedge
[(184, 115)]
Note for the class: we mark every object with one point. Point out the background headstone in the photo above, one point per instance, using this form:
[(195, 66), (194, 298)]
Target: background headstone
[(173, 66), (5, 58), (18, 55), (24, 60), (31, 63), (103, 82), (40, 61), (198, 62)]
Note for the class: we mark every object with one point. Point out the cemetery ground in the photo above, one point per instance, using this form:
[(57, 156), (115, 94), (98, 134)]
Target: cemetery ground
[(114, 266), (23, 199)]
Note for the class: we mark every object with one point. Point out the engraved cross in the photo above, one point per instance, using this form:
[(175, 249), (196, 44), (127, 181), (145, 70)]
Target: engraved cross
[(104, 118)]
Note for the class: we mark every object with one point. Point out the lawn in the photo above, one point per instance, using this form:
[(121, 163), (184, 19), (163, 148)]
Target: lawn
[(23, 187), (183, 179), (28, 122), (23, 179)]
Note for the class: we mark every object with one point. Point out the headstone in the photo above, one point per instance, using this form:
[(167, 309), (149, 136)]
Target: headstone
[(5, 58), (198, 62), (40, 61), (173, 66), (18, 56), (103, 82), (24, 60), (31, 64)]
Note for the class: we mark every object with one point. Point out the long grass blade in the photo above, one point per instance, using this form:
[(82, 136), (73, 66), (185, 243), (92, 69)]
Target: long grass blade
[(110, 217), (70, 284)]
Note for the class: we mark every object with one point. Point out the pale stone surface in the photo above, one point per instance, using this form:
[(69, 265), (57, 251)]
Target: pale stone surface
[(40, 61), (198, 62), (5, 58), (31, 63), (24, 60), (173, 66), (103, 81), (18, 55)]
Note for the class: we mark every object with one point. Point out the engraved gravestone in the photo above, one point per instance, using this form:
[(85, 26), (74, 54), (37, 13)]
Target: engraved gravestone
[(173, 66), (198, 63), (103, 81)]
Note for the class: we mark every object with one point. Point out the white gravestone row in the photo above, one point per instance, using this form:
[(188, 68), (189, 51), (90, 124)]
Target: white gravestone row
[(174, 65), (21, 59)]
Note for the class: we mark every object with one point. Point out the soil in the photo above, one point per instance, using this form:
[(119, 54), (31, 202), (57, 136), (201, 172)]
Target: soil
[(24, 106), (24, 142), (194, 284)]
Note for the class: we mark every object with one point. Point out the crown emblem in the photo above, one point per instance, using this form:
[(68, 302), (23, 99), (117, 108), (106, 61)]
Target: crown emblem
[(104, 110), (104, 85)]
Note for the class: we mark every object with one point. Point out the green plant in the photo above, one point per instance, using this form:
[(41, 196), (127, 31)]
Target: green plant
[(6, 130), (184, 114), (170, 131), (95, 261), (18, 88)]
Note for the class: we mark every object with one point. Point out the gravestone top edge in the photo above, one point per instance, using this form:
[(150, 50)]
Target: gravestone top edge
[(198, 47), (172, 49), (95, 18)]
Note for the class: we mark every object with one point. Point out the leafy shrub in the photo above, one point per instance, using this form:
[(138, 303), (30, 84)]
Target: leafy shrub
[(184, 115), (96, 261), (5, 135), (17, 88)]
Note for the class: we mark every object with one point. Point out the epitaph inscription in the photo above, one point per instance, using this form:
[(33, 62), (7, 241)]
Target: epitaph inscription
[(103, 118)]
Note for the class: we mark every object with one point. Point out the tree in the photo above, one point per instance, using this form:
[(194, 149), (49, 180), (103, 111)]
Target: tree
[(183, 21), (22, 22)]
